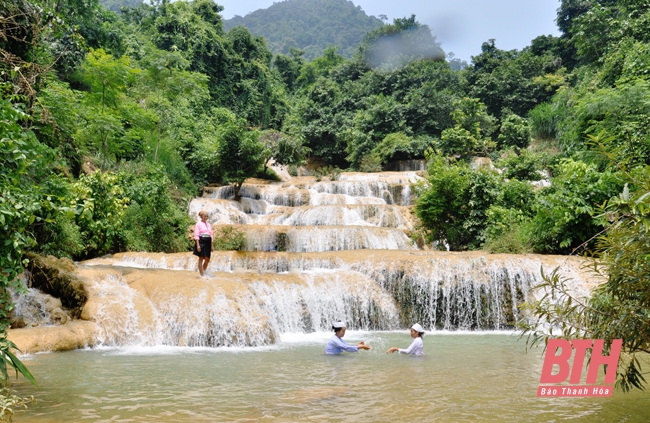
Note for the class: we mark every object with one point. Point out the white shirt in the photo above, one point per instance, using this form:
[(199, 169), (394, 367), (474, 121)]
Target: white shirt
[(416, 348)]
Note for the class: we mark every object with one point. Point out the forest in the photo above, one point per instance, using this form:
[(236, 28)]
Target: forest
[(110, 122), (309, 25)]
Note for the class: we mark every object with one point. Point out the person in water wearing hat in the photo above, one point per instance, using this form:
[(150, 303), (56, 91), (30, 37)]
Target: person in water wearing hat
[(417, 346), (336, 345)]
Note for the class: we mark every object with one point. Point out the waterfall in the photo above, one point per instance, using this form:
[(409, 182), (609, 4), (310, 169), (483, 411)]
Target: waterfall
[(357, 211), (305, 292), (406, 165), (315, 251), (158, 306)]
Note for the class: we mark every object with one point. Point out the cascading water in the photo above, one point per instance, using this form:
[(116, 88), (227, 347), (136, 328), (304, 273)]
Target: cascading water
[(315, 252), (171, 306)]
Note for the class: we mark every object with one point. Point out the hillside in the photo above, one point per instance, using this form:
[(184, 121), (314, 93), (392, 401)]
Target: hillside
[(116, 5), (309, 25)]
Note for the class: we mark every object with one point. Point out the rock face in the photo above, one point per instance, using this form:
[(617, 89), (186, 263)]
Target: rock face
[(43, 316), (36, 308), (73, 335), (56, 277)]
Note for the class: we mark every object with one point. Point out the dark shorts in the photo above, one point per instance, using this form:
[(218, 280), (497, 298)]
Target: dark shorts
[(206, 247)]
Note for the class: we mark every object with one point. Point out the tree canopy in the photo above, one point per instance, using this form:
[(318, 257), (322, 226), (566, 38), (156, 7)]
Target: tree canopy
[(107, 119), (309, 25)]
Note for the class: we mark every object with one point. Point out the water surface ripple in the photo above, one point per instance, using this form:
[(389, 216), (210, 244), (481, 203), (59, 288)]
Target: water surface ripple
[(463, 378)]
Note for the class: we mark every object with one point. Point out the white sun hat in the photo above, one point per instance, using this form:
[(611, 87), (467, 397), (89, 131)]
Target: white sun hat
[(416, 327), (338, 325)]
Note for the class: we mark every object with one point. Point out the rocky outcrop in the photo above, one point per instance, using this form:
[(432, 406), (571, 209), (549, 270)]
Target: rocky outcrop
[(74, 335), (35, 308), (55, 276)]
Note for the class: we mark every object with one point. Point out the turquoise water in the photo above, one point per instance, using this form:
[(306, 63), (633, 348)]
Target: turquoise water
[(463, 378)]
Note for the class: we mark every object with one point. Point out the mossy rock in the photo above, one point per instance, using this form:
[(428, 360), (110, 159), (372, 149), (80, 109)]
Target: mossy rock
[(55, 276)]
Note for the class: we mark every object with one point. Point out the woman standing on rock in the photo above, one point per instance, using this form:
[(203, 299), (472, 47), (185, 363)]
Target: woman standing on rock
[(203, 241)]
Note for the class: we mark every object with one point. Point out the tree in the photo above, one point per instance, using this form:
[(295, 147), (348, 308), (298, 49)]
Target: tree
[(110, 113), (619, 307), (443, 204), (21, 157), (470, 134), (240, 154), (320, 66), (153, 221), (282, 149), (515, 132), (25, 163), (457, 141), (508, 80), (399, 146), (381, 116), (317, 117), (237, 63), (565, 211), (169, 89), (289, 67), (99, 206)]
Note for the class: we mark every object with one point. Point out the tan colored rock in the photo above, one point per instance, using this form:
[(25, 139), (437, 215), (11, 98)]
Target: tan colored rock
[(56, 277), (52, 304), (74, 335), (59, 316)]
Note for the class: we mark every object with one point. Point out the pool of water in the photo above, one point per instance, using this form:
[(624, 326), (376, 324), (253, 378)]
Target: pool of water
[(462, 378)]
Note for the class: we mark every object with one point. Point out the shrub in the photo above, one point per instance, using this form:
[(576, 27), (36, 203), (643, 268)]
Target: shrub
[(330, 172), (565, 211), (524, 166), (99, 206), (515, 132), (457, 141), (370, 163), (543, 121), (153, 221), (504, 232), (229, 238)]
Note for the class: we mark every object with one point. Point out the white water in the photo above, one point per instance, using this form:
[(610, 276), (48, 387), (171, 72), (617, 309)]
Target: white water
[(315, 252), (171, 307), (253, 299)]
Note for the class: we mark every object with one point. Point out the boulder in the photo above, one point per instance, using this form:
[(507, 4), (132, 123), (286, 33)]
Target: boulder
[(55, 276), (76, 334)]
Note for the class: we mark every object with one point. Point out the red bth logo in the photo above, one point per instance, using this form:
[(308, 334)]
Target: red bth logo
[(562, 360)]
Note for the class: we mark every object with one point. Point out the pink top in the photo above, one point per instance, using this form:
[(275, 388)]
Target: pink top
[(202, 228)]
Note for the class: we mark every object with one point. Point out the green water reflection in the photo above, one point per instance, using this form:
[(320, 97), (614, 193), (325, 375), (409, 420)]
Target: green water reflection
[(463, 378)]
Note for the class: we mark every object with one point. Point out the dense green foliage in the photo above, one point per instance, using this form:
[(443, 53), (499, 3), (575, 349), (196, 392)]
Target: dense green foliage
[(309, 25), (619, 308), (103, 120), (228, 238), (110, 122), (602, 113)]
